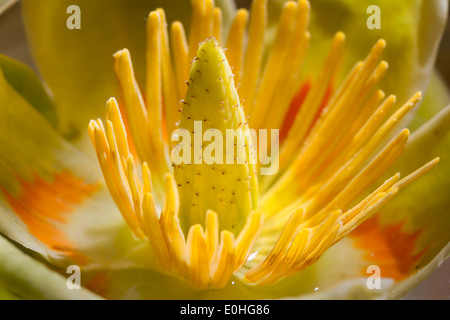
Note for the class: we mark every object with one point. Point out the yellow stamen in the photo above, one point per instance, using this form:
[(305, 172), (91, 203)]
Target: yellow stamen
[(197, 256), (364, 178), (328, 135), (329, 129), (149, 223), (170, 93), (272, 70), (288, 83), (113, 115), (132, 99), (223, 266), (247, 237), (150, 146), (170, 226), (373, 205), (261, 270), (217, 24), (254, 52), (312, 103), (212, 232), (181, 52), (416, 174), (154, 60), (201, 24), (113, 173), (359, 133), (235, 43)]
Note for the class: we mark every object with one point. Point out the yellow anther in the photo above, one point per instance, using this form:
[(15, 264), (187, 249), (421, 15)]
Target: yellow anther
[(254, 52), (313, 101), (212, 232), (168, 80), (197, 256), (180, 51), (223, 265), (154, 61), (149, 223), (114, 172), (247, 237), (416, 174), (261, 270), (217, 25), (235, 43), (288, 83), (272, 72), (113, 115)]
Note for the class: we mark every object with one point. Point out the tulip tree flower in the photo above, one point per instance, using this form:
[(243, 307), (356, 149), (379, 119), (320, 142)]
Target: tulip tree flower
[(357, 207)]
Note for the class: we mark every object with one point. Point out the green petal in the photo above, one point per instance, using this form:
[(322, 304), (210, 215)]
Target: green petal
[(103, 239), (399, 290), (33, 150), (29, 144), (437, 97), (419, 213), (6, 295), (29, 86), (27, 278), (77, 64), (424, 205)]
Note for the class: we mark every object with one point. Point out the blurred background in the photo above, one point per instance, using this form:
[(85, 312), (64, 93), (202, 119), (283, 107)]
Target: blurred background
[(13, 43)]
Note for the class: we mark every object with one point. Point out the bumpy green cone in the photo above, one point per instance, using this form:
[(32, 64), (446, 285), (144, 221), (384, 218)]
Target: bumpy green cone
[(224, 182)]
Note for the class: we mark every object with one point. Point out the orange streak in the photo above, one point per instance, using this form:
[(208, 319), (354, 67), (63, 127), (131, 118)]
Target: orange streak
[(43, 206), (296, 104), (388, 247), (99, 283), (294, 108)]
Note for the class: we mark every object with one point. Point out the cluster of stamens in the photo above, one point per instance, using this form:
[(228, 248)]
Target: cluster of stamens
[(332, 153)]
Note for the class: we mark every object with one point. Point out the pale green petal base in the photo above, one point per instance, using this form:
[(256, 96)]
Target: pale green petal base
[(27, 278), (402, 288), (77, 64), (30, 147), (337, 275), (29, 86), (436, 98), (424, 205)]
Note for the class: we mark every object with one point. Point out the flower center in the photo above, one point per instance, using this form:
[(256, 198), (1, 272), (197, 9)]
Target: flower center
[(326, 157)]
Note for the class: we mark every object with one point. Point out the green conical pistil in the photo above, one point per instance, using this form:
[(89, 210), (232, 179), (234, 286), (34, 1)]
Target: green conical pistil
[(215, 172)]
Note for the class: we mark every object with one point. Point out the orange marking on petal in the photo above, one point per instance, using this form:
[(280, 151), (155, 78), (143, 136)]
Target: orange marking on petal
[(326, 98), (165, 132), (296, 104), (99, 283), (388, 246), (43, 206), (294, 108)]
